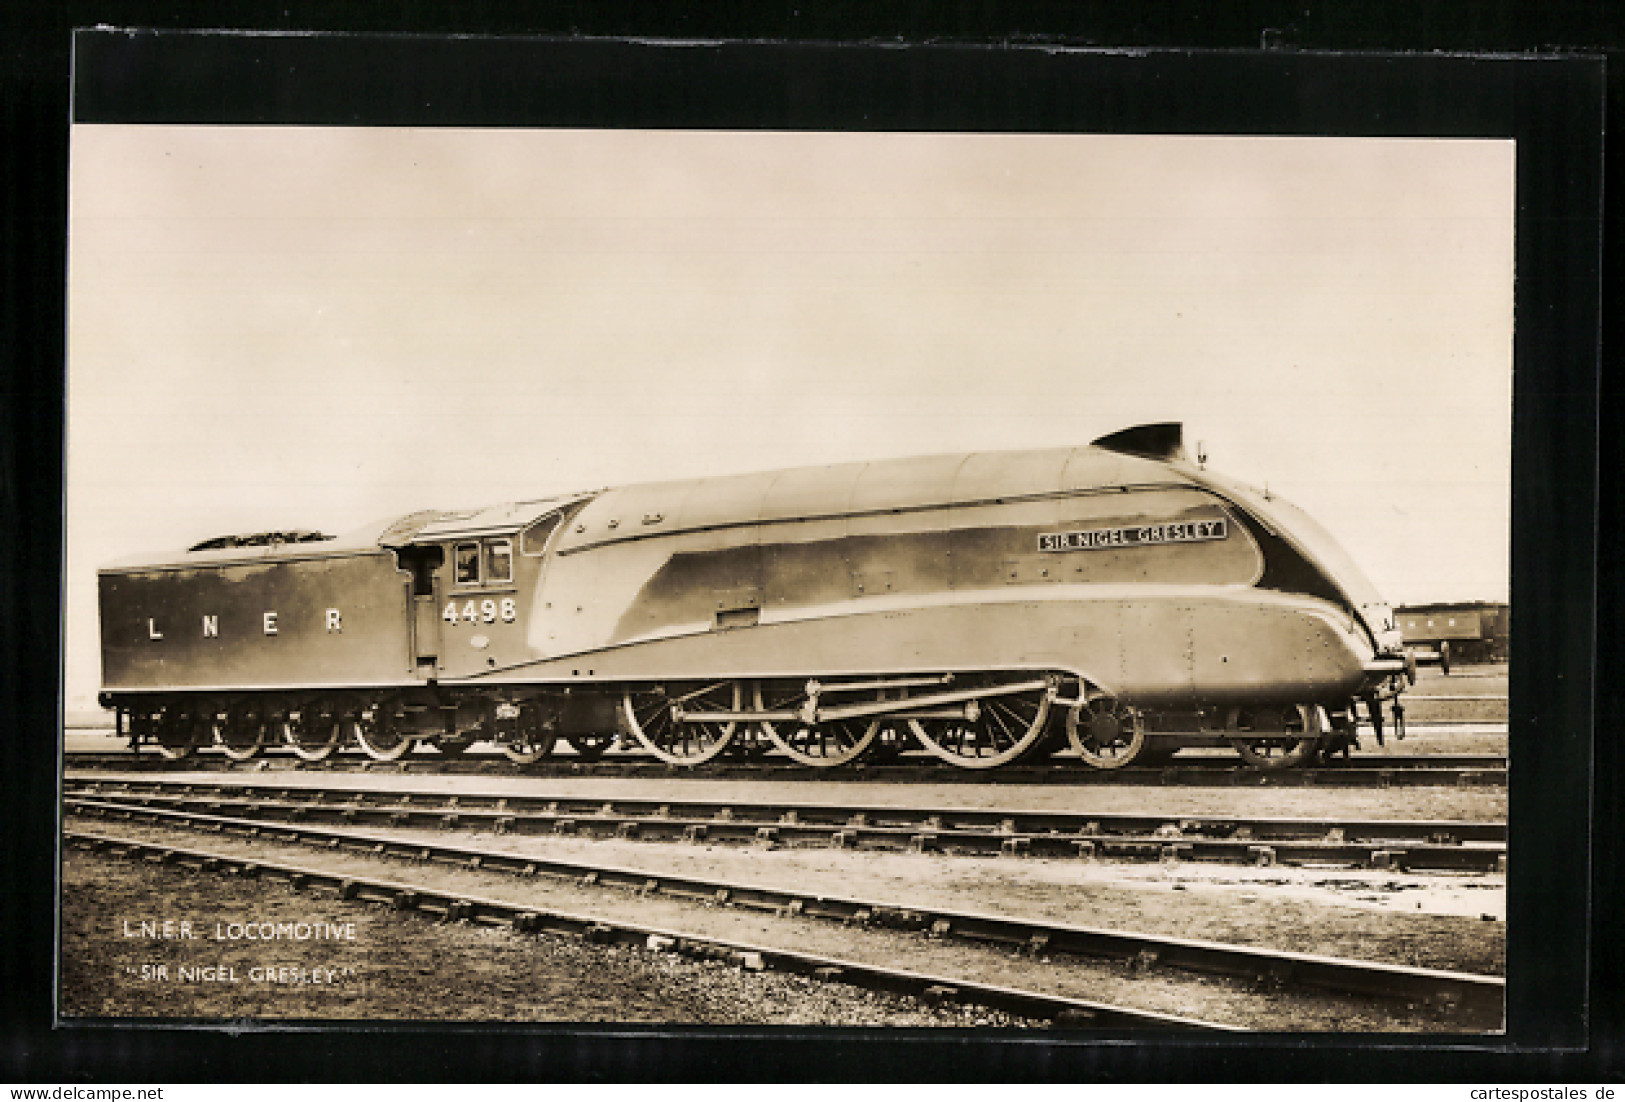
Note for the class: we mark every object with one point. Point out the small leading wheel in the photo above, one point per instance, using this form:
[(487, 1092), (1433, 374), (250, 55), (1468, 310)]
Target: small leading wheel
[(996, 729), (314, 732), (380, 736), (590, 745), (1274, 737), (245, 731), (822, 745), (669, 720), (531, 741), (1105, 734)]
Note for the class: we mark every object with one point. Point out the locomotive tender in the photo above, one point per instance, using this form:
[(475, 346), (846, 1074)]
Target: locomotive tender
[(982, 607)]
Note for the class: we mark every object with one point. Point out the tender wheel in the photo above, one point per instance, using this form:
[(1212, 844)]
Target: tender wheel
[(531, 742), (314, 732), (245, 732), (381, 738), (590, 745), (822, 745), (1105, 734), (1264, 736), (650, 714), (177, 732), (1005, 729)]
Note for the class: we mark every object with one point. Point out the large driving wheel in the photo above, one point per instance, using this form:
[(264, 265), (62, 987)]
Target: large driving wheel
[(381, 737), (1274, 737), (531, 740), (653, 716), (245, 731), (1001, 728), (1105, 734), (314, 732), (822, 745)]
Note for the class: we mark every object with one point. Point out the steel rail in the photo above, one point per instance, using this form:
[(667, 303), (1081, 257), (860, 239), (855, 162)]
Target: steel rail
[(1476, 995), (452, 906), (1464, 771), (1431, 844)]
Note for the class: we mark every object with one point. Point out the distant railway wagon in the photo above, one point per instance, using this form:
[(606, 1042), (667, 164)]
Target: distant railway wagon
[(1474, 631), (1114, 600)]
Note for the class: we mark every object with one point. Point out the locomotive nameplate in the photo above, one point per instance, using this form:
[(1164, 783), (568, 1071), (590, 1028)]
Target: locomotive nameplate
[(1096, 539)]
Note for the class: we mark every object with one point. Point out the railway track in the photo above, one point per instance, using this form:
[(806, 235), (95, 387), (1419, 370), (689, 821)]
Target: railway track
[(1435, 845), (1473, 1000), (1455, 770), (459, 906)]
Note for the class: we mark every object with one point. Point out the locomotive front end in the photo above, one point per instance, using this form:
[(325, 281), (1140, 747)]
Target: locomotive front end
[(1302, 558)]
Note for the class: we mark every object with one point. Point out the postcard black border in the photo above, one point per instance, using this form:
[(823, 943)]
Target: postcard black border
[(1551, 105)]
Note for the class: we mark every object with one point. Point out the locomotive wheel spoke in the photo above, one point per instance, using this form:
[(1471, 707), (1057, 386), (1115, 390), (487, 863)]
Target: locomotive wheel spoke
[(1008, 727), (1105, 734), (691, 740), (313, 733), (822, 745), (381, 738)]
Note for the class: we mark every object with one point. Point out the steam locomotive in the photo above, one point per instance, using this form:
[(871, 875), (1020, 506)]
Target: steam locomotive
[(1111, 603)]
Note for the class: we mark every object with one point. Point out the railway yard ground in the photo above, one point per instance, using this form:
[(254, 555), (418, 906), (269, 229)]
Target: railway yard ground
[(411, 964)]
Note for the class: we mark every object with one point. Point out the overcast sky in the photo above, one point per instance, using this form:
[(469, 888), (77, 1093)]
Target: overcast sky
[(300, 327)]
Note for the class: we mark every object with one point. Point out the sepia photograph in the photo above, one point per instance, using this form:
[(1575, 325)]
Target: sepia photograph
[(705, 577)]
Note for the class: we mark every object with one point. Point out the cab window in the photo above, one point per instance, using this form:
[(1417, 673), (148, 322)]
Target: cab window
[(467, 560), (498, 562)]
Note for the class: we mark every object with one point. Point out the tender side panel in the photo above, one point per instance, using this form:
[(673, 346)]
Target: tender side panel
[(296, 622)]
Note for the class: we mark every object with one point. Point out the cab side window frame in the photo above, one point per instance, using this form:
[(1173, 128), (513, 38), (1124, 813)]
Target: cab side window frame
[(490, 558), (466, 558)]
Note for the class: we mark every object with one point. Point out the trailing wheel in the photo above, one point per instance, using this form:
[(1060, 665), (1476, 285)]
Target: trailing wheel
[(380, 736), (996, 729), (531, 740), (669, 720), (314, 732), (822, 745), (1273, 737), (1106, 734)]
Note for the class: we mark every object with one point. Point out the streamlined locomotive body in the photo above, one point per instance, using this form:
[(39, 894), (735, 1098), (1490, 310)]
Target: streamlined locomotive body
[(1116, 599)]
